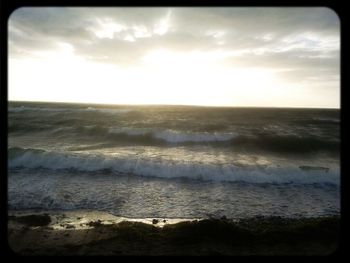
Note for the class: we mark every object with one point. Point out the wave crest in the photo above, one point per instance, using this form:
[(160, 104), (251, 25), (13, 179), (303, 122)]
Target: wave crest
[(172, 136), (35, 158)]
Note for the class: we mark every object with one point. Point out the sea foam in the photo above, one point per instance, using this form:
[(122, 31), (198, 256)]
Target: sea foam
[(165, 168)]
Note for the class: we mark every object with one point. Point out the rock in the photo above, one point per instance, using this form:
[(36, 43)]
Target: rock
[(24, 229), (155, 221), (94, 224), (34, 220), (164, 221), (70, 226)]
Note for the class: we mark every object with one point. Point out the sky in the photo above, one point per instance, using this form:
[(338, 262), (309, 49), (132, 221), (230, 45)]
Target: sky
[(261, 57)]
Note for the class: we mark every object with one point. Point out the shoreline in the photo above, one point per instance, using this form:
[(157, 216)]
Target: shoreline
[(82, 218), (87, 232)]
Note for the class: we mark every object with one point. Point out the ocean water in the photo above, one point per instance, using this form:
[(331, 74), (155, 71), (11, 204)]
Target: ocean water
[(174, 161)]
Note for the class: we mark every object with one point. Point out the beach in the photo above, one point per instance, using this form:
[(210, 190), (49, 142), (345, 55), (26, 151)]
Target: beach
[(99, 233)]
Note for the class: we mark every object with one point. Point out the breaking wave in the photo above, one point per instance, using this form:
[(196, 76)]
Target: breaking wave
[(172, 136), (37, 158)]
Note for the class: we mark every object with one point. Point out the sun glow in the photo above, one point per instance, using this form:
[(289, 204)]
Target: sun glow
[(163, 77), (198, 79)]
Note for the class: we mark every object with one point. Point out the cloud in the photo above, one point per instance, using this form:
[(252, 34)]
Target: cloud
[(302, 43)]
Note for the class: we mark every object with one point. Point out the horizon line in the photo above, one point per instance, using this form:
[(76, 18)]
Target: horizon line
[(188, 105)]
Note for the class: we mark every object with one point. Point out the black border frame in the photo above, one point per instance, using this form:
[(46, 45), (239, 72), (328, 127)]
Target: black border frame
[(8, 6)]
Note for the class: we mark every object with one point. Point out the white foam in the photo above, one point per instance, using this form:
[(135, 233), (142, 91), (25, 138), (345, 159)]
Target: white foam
[(166, 168), (129, 131), (90, 109), (172, 136)]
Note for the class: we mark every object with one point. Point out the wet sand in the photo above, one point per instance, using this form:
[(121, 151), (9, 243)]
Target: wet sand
[(99, 233)]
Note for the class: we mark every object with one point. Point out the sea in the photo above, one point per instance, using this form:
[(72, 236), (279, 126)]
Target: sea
[(167, 161)]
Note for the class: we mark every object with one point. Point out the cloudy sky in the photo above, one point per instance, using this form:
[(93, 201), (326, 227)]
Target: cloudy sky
[(271, 57)]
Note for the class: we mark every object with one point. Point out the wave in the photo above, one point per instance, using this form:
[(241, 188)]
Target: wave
[(37, 158), (110, 111), (324, 119), (17, 127), (178, 137), (123, 134), (49, 109), (278, 143), (292, 143), (29, 108), (289, 144), (173, 136)]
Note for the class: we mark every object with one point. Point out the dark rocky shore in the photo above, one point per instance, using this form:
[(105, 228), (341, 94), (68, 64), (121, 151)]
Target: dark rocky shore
[(37, 234)]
